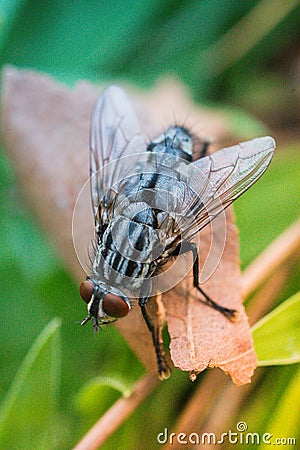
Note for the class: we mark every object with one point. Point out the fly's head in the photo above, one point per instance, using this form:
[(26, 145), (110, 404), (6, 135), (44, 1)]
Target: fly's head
[(104, 304)]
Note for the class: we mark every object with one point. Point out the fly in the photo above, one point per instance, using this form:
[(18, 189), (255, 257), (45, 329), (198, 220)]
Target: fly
[(149, 202)]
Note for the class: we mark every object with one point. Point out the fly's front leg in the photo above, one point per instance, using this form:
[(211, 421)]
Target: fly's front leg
[(231, 314), (163, 369)]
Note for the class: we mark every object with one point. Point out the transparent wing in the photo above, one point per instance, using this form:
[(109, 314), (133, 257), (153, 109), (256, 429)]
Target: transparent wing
[(115, 133), (220, 179)]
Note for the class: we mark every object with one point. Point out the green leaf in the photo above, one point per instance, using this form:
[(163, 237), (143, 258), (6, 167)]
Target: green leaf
[(277, 335), (28, 413)]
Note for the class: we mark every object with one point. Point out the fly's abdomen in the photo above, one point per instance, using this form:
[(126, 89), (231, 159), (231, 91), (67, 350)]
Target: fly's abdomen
[(129, 246)]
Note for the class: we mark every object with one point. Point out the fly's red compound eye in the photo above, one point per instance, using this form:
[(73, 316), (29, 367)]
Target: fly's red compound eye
[(86, 290), (115, 306)]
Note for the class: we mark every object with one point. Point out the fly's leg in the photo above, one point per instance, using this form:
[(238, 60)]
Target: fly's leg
[(227, 312), (231, 314), (163, 369), (95, 324)]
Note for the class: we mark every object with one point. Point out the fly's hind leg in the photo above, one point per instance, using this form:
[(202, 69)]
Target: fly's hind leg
[(231, 314), (163, 368)]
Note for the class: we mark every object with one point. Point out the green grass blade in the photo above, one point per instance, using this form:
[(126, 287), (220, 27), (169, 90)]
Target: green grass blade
[(96, 396), (28, 412)]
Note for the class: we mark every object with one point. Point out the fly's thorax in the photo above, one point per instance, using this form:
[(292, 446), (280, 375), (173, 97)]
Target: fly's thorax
[(176, 141)]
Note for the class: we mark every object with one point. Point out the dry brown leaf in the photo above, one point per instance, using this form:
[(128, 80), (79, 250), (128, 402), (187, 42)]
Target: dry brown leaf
[(46, 130), (200, 336)]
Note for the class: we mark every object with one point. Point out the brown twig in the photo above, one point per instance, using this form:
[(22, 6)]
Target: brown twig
[(271, 258), (117, 414), (263, 300)]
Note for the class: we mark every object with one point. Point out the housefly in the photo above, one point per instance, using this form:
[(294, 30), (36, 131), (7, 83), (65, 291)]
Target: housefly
[(149, 202)]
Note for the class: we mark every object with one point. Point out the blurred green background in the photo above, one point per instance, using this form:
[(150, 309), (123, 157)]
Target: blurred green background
[(240, 56)]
